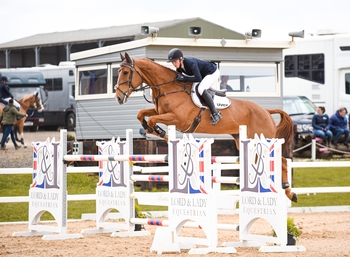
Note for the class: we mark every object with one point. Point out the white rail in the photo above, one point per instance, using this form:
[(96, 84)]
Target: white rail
[(94, 169)]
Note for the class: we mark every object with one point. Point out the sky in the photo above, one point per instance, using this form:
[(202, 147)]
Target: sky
[(275, 18)]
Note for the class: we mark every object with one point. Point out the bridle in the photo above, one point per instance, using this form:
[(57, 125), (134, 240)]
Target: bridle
[(30, 108), (129, 80), (131, 89)]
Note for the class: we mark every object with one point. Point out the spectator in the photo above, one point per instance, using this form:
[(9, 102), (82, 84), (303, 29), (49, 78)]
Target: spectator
[(223, 83), (339, 124), (8, 118), (321, 125)]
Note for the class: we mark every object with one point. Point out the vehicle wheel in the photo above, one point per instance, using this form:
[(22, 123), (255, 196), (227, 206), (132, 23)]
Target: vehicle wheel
[(33, 129), (70, 122)]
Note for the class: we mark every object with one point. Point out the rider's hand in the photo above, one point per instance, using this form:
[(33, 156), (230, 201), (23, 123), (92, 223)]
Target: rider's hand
[(180, 77)]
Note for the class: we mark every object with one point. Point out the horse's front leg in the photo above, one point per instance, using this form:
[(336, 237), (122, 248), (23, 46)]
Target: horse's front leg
[(285, 184), (151, 126), (141, 117)]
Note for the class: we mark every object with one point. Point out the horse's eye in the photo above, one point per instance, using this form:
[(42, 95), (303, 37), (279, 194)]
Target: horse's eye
[(125, 73)]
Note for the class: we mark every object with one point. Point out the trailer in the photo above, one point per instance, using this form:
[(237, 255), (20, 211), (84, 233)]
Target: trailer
[(318, 67), (60, 86)]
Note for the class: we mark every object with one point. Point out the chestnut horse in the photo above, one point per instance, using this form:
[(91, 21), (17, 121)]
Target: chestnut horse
[(173, 106), (28, 101)]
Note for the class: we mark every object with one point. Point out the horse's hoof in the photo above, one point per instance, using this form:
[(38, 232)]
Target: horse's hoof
[(159, 131), (294, 198), (285, 185), (25, 146)]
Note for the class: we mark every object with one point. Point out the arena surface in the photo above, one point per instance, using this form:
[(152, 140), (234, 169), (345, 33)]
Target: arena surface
[(323, 234)]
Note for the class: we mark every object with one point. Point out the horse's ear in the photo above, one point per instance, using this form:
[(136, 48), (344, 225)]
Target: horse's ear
[(128, 59), (36, 94), (122, 57)]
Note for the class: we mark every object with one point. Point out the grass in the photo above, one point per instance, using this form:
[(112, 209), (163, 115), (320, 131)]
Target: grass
[(18, 185), (322, 177)]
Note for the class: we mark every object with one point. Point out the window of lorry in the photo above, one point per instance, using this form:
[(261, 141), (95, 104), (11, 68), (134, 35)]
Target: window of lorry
[(305, 66), (54, 84), (347, 83)]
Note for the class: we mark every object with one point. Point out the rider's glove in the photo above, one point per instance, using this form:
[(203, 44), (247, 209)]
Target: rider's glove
[(180, 77)]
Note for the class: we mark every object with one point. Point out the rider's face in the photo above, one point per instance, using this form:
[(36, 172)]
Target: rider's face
[(176, 63)]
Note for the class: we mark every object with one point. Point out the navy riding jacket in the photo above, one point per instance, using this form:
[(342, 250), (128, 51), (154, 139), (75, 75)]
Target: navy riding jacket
[(5, 91), (197, 69)]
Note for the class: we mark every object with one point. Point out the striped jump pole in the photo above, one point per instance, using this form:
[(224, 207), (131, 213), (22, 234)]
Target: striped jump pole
[(165, 178), (156, 158), (165, 223)]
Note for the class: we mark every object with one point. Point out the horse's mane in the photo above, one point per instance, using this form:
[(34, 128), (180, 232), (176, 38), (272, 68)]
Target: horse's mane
[(162, 66), (25, 98)]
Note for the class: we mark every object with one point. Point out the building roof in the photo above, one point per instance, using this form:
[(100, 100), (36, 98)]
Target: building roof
[(127, 32)]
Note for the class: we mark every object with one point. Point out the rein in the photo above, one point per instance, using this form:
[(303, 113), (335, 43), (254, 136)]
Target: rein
[(143, 88)]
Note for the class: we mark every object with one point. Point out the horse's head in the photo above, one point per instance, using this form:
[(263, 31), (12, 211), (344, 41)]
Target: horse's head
[(37, 102), (128, 79)]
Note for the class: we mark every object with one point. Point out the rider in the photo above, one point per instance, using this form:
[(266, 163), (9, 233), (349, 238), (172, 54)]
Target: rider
[(197, 70), (5, 93)]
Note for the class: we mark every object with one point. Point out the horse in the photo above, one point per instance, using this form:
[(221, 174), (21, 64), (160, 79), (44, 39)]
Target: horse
[(26, 102), (173, 106)]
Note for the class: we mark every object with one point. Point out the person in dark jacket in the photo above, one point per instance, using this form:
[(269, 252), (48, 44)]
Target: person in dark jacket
[(8, 118), (5, 93), (197, 70), (321, 125), (339, 123)]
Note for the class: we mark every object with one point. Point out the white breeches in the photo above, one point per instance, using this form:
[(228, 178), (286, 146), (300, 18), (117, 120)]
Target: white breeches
[(209, 81)]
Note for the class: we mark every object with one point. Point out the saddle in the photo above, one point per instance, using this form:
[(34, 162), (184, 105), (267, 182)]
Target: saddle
[(219, 98), (5, 103)]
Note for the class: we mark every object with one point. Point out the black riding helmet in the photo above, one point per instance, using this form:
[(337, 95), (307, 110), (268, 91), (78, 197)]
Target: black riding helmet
[(175, 54)]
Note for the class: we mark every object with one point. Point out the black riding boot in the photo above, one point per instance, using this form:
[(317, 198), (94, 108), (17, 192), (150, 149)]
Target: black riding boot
[(215, 115)]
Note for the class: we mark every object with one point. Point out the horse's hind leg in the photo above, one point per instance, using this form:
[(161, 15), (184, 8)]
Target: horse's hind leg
[(285, 184)]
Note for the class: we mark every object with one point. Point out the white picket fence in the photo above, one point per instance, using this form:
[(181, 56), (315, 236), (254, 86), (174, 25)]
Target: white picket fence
[(95, 169)]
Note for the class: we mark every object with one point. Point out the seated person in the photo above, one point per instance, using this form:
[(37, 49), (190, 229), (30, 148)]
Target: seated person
[(321, 125), (339, 123), (223, 83)]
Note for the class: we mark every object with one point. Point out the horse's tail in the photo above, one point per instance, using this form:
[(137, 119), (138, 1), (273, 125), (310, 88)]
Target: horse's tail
[(285, 129)]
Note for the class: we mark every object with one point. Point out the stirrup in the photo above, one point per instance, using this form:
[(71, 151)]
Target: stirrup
[(215, 118)]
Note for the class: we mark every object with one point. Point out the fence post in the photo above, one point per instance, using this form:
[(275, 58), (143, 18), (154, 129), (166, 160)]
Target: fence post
[(313, 150)]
